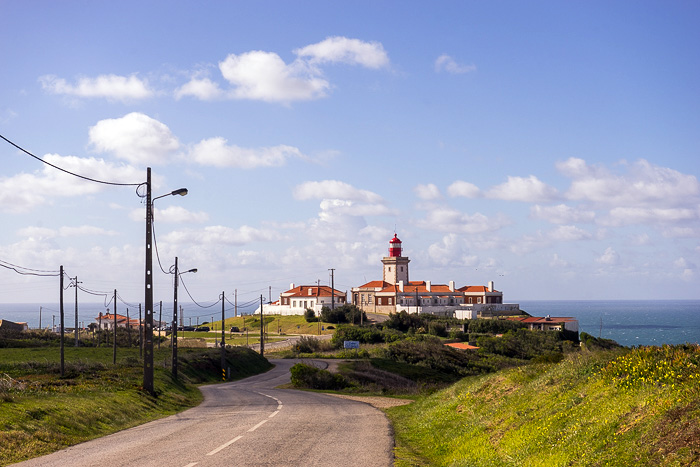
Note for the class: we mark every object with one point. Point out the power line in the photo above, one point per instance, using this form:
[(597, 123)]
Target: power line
[(68, 171), (28, 271), (193, 300)]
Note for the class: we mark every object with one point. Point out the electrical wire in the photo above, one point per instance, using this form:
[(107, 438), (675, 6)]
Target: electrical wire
[(193, 300), (28, 271), (68, 171)]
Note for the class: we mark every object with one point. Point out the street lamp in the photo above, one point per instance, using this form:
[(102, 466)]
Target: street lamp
[(148, 317), (173, 329)]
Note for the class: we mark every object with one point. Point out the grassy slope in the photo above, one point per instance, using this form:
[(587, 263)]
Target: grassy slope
[(41, 412), (627, 407)]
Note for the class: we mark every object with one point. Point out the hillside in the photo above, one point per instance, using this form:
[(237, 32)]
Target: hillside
[(620, 407)]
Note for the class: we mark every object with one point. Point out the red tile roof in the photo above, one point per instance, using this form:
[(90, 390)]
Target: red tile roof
[(462, 346)]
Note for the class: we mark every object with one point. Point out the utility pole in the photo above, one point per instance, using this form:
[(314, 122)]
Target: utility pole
[(128, 327), (140, 334), (235, 303), (269, 294), (262, 335), (173, 331), (114, 350), (62, 322), (223, 338), (148, 358), (76, 310), (332, 288), (160, 322), (40, 317)]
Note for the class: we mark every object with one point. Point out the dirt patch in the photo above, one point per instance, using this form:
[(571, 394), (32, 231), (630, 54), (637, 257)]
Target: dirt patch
[(376, 401)]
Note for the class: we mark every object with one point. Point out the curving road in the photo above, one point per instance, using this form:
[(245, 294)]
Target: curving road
[(247, 423)]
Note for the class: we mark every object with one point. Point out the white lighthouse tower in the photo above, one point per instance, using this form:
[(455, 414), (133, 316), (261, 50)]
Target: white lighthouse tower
[(395, 265)]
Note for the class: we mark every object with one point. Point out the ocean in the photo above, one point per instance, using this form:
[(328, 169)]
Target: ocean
[(628, 322)]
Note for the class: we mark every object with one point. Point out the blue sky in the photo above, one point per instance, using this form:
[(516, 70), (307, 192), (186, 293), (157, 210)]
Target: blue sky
[(552, 147)]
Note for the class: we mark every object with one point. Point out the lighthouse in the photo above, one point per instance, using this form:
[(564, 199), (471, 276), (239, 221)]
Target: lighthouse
[(395, 265)]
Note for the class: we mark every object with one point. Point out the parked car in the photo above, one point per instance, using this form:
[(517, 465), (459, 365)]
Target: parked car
[(203, 329), (235, 329)]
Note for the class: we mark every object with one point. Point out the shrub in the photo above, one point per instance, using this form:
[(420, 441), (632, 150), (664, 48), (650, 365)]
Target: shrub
[(310, 316), (494, 326), (307, 376), (307, 344)]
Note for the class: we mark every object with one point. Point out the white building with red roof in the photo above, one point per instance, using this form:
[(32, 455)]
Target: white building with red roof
[(298, 299), (395, 293)]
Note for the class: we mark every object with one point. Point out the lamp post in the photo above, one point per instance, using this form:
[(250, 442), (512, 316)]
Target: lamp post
[(148, 317), (173, 333)]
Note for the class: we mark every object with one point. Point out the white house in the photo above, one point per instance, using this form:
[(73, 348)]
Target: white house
[(298, 299)]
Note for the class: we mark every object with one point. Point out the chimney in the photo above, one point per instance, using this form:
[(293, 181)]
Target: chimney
[(490, 286), (452, 286), (311, 290), (291, 286), (400, 286), (427, 286)]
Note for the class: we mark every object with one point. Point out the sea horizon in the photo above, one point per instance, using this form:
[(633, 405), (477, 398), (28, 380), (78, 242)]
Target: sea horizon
[(628, 322)]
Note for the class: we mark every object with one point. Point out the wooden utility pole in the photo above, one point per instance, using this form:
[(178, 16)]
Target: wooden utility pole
[(76, 311), (114, 349), (333, 288), (223, 338), (262, 326), (62, 323)]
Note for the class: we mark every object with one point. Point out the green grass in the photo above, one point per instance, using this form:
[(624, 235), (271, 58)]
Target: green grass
[(40, 412), (623, 408)]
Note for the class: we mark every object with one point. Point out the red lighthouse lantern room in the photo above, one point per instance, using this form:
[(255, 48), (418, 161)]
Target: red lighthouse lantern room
[(395, 247)]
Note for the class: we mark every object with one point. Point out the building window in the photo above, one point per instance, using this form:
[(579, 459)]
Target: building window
[(478, 300), (470, 300), (390, 301), (401, 268), (389, 268)]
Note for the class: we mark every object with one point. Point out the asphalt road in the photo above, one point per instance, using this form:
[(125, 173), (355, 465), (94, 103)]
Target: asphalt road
[(247, 423)]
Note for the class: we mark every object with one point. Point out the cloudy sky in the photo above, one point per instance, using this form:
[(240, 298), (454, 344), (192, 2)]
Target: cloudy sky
[(552, 147)]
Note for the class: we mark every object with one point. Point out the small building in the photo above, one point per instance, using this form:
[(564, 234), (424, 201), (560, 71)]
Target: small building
[(6, 325), (549, 323), (298, 299), (106, 321)]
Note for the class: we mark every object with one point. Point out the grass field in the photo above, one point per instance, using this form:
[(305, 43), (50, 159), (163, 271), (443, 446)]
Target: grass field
[(631, 407)]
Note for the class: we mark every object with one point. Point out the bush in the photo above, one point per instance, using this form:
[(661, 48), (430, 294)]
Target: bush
[(494, 326), (307, 344), (310, 316), (524, 344), (307, 376)]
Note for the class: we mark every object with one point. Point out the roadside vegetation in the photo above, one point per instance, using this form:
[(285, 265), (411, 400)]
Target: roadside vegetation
[(41, 412), (522, 398)]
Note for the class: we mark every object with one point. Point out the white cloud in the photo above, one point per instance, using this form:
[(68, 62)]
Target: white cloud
[(85, 230), (334, 189), (610, 257), (463, 189), (216, 152), (113, 87), (446, 63), (644, 185), (176, 214), (642, 215), (201, 88), (136, 138), (529, 189), (451, 220), (427, 192), (221, 235), (22, 192), (561, 214), (557, 262), (264, 76), (568, 233), (450, 251), (343, 50)]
